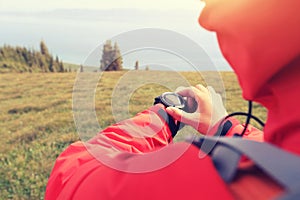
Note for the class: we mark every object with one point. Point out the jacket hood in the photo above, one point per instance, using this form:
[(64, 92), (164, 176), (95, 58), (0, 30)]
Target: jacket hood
[(261, 42), (258, 38)]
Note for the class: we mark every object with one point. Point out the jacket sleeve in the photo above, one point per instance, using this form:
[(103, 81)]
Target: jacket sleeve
[(251, 133), (145, 132), (234, 127)]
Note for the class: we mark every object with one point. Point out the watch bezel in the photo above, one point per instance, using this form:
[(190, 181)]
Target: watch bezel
[(166, 103)]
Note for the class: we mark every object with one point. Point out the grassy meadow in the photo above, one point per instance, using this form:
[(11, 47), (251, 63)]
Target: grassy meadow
[(36, 119)]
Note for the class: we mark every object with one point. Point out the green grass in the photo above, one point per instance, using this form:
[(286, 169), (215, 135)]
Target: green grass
[(36, 119)]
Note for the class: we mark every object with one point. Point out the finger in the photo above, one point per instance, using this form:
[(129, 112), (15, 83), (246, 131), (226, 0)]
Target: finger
[(189, 92), (213, 92), (202, 98), (201, 87), (211, 89), (184, 117), (179, 89), (192, 105), (216, 97)]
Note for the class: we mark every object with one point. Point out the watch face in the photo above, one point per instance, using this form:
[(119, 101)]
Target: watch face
[(173, 99)]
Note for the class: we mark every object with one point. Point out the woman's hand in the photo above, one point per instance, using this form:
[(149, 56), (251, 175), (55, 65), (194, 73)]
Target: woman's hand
[(205, 108)]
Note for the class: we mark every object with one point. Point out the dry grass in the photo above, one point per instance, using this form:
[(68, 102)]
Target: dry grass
[(36, 119)]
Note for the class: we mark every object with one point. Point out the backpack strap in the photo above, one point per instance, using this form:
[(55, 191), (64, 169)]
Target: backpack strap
[(282, 166)]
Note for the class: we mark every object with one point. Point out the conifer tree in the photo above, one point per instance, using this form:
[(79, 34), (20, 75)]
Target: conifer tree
[(111, 57), (107, 58), (44, 48), (52, 67), (61, 67), (117, 57)]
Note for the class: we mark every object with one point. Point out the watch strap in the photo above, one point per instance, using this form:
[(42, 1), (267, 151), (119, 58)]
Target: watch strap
[(170, 121), (174, 127), (158, 100)]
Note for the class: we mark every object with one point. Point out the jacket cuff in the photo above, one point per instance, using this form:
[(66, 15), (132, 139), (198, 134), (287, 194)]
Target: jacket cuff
[(225, 127), (160, 110)]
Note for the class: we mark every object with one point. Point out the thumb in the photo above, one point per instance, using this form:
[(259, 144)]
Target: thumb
[(176, 113), (192, 119)]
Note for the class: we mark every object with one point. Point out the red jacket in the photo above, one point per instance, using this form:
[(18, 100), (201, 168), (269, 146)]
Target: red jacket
[(260, 39), (154, 169)]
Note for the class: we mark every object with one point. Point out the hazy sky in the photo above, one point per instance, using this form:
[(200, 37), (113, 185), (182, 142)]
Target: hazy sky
[(74, 28), (38, 5)]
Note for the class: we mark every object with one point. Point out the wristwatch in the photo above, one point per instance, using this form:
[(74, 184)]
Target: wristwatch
[(171, 99)]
